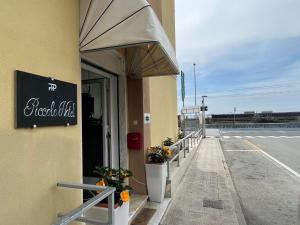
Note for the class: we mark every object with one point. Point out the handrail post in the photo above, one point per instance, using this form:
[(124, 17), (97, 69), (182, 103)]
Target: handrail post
[(168, 169), (183, 144), (298, 211), (178, 158), (193, 136), (111, 201)]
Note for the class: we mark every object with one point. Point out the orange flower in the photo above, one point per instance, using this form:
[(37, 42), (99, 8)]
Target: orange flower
[(124, 196), (100, 183)]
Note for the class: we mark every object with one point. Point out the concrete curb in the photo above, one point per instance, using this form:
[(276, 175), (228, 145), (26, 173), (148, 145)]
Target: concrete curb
[(235, 197)]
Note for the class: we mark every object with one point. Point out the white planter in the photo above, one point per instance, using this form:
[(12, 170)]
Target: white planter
[(121, 214), (156, 181)]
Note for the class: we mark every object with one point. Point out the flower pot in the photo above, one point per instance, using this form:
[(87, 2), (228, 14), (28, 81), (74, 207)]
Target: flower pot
[(120, 214), (156, 181)]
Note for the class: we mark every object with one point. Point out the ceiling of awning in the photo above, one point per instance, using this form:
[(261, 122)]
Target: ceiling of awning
[(131, 25)]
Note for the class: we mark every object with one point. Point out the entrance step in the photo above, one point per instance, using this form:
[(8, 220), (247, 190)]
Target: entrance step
[(136, 204), (152, 213)]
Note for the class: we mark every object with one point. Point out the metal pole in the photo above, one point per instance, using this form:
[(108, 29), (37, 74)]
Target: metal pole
[(195, 83), (203, 116), (234, 110), (183, 144), (204, 123), (168, 169), (111, 204), (298, 211)]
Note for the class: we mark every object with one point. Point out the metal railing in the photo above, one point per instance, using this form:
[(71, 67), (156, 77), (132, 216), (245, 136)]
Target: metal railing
[(77, 214), (184, 144), (298, 219)]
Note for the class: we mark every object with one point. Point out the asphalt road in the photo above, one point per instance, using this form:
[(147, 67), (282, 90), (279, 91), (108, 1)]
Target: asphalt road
[(265, 167)]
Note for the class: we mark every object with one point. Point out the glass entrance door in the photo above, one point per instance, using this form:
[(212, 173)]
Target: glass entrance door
[(99, 123)]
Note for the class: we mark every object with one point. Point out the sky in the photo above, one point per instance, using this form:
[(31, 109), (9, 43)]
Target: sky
[(247, 54)]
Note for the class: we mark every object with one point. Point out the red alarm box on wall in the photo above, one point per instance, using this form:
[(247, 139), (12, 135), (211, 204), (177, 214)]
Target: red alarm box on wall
[(134, 141)]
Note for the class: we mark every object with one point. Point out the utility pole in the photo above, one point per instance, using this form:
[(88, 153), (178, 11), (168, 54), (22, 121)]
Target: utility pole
[(195, 83), (203, 116), (234, 111)]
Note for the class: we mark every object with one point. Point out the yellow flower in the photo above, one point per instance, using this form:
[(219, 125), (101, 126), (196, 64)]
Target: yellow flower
[(165, 148), (168, 153), (100, 183), (124, 195)]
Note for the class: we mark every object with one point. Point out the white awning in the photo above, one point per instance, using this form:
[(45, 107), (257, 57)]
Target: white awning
[(131, 25)]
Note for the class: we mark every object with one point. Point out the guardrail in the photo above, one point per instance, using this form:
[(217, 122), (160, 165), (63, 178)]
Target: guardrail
[(184, 145), (254, 125), (77, 214)]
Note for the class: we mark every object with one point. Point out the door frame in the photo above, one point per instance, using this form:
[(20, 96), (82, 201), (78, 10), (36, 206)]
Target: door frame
[(111, 154)]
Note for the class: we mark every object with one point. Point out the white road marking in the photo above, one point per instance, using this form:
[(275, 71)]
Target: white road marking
[(271, 158), (281, 164), (263, 137), (241, 150)]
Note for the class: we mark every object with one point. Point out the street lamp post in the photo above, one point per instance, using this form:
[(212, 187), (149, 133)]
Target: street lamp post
[(195, 83), (203, 116), (234, 111)]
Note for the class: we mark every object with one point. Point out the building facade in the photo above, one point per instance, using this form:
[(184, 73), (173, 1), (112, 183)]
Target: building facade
[(122, 74)]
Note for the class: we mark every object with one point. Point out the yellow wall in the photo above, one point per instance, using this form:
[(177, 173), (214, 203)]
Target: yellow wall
[(163, 90), (168, 19), (163, 106), (40, 37)]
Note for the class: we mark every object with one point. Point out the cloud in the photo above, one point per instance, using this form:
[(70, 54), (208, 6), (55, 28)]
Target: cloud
[(212, 26), (245, 51)]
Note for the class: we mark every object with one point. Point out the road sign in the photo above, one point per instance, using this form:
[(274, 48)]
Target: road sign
[(190, 110), (203, 108)]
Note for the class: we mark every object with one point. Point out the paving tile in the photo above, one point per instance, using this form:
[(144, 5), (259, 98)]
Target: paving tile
[(205, 179)]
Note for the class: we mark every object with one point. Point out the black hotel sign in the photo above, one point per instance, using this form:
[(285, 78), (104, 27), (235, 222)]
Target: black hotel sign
[(43, 101)]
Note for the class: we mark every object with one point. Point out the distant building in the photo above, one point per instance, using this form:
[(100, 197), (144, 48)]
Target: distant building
[(252, 117)]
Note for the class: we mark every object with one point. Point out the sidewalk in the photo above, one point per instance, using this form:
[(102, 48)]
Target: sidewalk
[(206, 195)]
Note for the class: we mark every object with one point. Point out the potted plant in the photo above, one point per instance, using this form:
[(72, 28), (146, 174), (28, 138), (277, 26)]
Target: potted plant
[(168, 142), (156, 172), (180, 135), (113, 178)]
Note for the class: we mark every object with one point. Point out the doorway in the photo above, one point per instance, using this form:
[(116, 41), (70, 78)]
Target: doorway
[(100, 142)]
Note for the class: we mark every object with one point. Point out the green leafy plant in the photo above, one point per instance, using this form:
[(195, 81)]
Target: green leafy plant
[(180, 135), (115, 178), (158, 154), (168, 141)]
